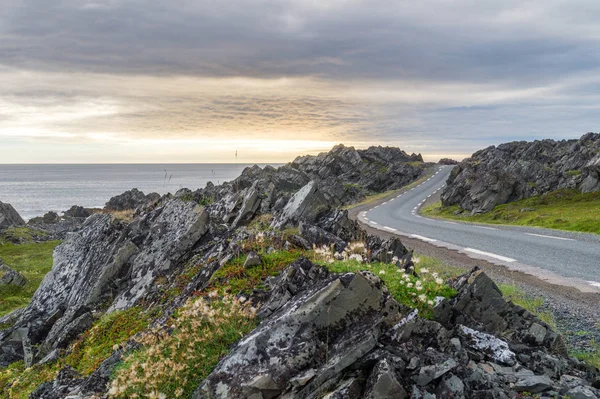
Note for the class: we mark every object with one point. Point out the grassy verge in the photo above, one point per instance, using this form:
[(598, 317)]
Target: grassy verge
[(33, 260), (562, 210), (370, 199), (534, 305)]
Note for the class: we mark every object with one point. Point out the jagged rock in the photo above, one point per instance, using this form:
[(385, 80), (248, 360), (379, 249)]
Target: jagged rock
[(383, 383), (315, 235), (9, 276), (428, 374), (310, 330), (50, 218), (581, 392), (77, 212), (307, 204), (9, 217), (493, 347), (447, 161), (451, 387), (534, 384), (131, 199), (90, 265), (517, 170)]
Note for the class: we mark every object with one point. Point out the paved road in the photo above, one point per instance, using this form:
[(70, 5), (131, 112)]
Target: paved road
[(556, 256)]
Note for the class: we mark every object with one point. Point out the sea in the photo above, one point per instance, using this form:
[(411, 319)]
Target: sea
[(34, 190)]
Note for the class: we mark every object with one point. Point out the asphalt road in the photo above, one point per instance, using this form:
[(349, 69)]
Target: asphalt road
[(559, 257)]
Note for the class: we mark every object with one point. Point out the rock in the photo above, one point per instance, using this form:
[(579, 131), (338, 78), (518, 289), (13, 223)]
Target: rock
[(581, 392), (307, 204), (327, 325), (50, 218), (428, 374), (9, 276), (9, 217), (88, 265), (451, 387), (534, 384), (77, 212), (518, 170), (383, 383), (494, 348), (527, 210), (129, 200), (252, 259), (537, 333), (447, 161)]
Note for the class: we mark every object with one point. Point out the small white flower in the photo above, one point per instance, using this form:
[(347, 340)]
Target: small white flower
[(419, 288), (422, 298), (424, 271), (394, 259), (430, 302), (409, 285), (416, 260), (382, 272), (242, 299), (439, 281)]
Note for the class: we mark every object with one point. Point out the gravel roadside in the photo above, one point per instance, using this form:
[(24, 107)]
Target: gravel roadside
[(577, 313)]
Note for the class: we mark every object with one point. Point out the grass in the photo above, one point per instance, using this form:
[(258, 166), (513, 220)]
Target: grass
[(22, 234), (562, 210), (592, 358), (534, 305), (85, 355), (369, 199), (33, 260)]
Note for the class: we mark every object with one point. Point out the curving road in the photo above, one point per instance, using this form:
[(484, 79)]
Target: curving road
[(559, 257)]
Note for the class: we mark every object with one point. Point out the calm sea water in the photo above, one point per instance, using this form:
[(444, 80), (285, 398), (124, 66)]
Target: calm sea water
[(36, 189)]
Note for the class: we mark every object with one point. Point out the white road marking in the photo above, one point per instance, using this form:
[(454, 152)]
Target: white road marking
[(556, 238), (487, 228), (389, 228), (449, 222), (491, 255), (594, 284), (418, 237), (415, 208), (374, 222), (429, 195), (385, 203)]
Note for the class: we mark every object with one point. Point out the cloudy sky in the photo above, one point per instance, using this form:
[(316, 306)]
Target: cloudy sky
[(196, 80)]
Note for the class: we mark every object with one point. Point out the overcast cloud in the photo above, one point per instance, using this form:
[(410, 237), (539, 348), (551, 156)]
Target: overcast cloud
[(439, 77)]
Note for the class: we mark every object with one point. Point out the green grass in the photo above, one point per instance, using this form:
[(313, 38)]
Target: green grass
[(562, 210), (86, 354), (33, 260), (592, 358), (24, 234), (535, 305)]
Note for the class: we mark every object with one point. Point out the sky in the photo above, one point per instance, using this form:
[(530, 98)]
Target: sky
[(195, 80)]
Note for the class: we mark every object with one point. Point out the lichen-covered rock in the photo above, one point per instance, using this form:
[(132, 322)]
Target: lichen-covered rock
[(108, 261), (130, 200), (517, 170), (9, 217), (9, 276)]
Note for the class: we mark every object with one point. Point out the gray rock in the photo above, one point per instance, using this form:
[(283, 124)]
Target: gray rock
[(534, 384), (517, 170), (383, 383), (451, 387), (581, 392), (493, 347), (307, 204), (252, 259), (129, 200), (9, 217), (9, 276), (537, 333), (428, 374)]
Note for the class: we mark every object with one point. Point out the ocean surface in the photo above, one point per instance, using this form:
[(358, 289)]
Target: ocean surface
[(36, 189)]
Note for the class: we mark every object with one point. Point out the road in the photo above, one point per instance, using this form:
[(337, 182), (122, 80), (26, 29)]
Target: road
[(559, 257)]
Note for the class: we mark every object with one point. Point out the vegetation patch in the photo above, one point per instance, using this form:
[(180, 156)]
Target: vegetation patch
[(532, 304), (33, 261), (562, 209), (21, 235), (171, 364), (85, 355)]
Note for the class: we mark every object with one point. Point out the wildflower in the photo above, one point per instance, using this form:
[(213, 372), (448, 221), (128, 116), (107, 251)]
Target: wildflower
[(416, 260), (213, 294), (394, 259), (409, 285), (356, 257), (419, 288), (435, 275), (439, 281), (382, 272), (424, 271), (422, 298), (242, 299), (430, 302), (330, 260)]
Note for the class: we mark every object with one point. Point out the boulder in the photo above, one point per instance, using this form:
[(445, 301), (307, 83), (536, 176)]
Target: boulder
[(9, 276), (9, 217), (130, 200), (77, 212)]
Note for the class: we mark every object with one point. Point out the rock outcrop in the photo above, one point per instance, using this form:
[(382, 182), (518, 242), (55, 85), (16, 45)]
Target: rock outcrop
[(344, 336), (130, 200), (9, 276), (517, 170), (9, 217), (107, 261)]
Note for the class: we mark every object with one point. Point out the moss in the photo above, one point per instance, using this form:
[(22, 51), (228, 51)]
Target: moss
[(33, 261), (573, 173)]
